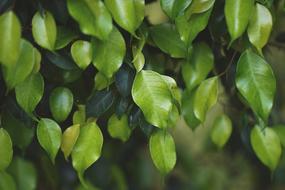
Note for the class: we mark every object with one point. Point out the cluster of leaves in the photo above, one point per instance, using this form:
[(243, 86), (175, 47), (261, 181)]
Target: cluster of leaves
[(87, 64)]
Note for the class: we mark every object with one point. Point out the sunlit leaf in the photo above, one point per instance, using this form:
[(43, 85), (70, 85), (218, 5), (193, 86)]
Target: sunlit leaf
[(6, 151)]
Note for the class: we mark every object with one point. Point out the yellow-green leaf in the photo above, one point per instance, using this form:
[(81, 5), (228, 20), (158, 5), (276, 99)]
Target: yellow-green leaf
[(266, 145), (49, 136), (79, 116), (260, 26), (69, 138), (10, 35), (6, 150), (7, 181), (162, 151), (221, 130), (44, 30), (81, 52), (119, 128)]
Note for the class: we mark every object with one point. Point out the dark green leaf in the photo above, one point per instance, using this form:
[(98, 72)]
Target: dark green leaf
[(64, 37), (174, 8), (7, 182), (124, 79), (62, 61), (99, 103)]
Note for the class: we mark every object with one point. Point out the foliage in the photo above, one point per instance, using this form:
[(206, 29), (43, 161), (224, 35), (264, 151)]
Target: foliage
[(77, 75)]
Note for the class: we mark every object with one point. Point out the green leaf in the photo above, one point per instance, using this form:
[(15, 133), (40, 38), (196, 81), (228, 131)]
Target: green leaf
[(237, 13), (60, 103), (108, 55), (174, 8), (6, 151), (201, 62), (205, 97), (49, 136), (79, 116), (24, 173), (69, 138), (260, 26), (139, 61), (17, 73), (38, 59), (128, 14), (162, 151), (81, 52), (188, 109), (190, 28), (21, 135), (7, 182), (119, 128), (168, 40), (30, 92), (87, 148), (44, 30), (280, 131), (101, 81), (256, 82), (92, 16), (99, 103), (124, 79), (151, 93), (266, 145), (221, 130), (200, 6), (10, 35), (64, 37)]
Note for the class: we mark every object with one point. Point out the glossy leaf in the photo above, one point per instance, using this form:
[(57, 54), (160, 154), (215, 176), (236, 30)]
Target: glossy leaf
[(81, 52), (188, 109), (10, 35), (69, 138), (7, 181), (168, 40), (49, 137), (151, 93), (190, 28), (221, 130), (256, 82), (162, 151), (101, 81), (99, 103), (24, 173), (266, 145), (44, 30), (119, 128), (87, 149), (6, 151), (92, 16), (60, 103), (108, 55), (174, 8), (205, 97), (128, 14), (139, 61), (17, 73), (237, 13), (30, 92), (201, 62), (200, 6), (260, 26), (62, 61)]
